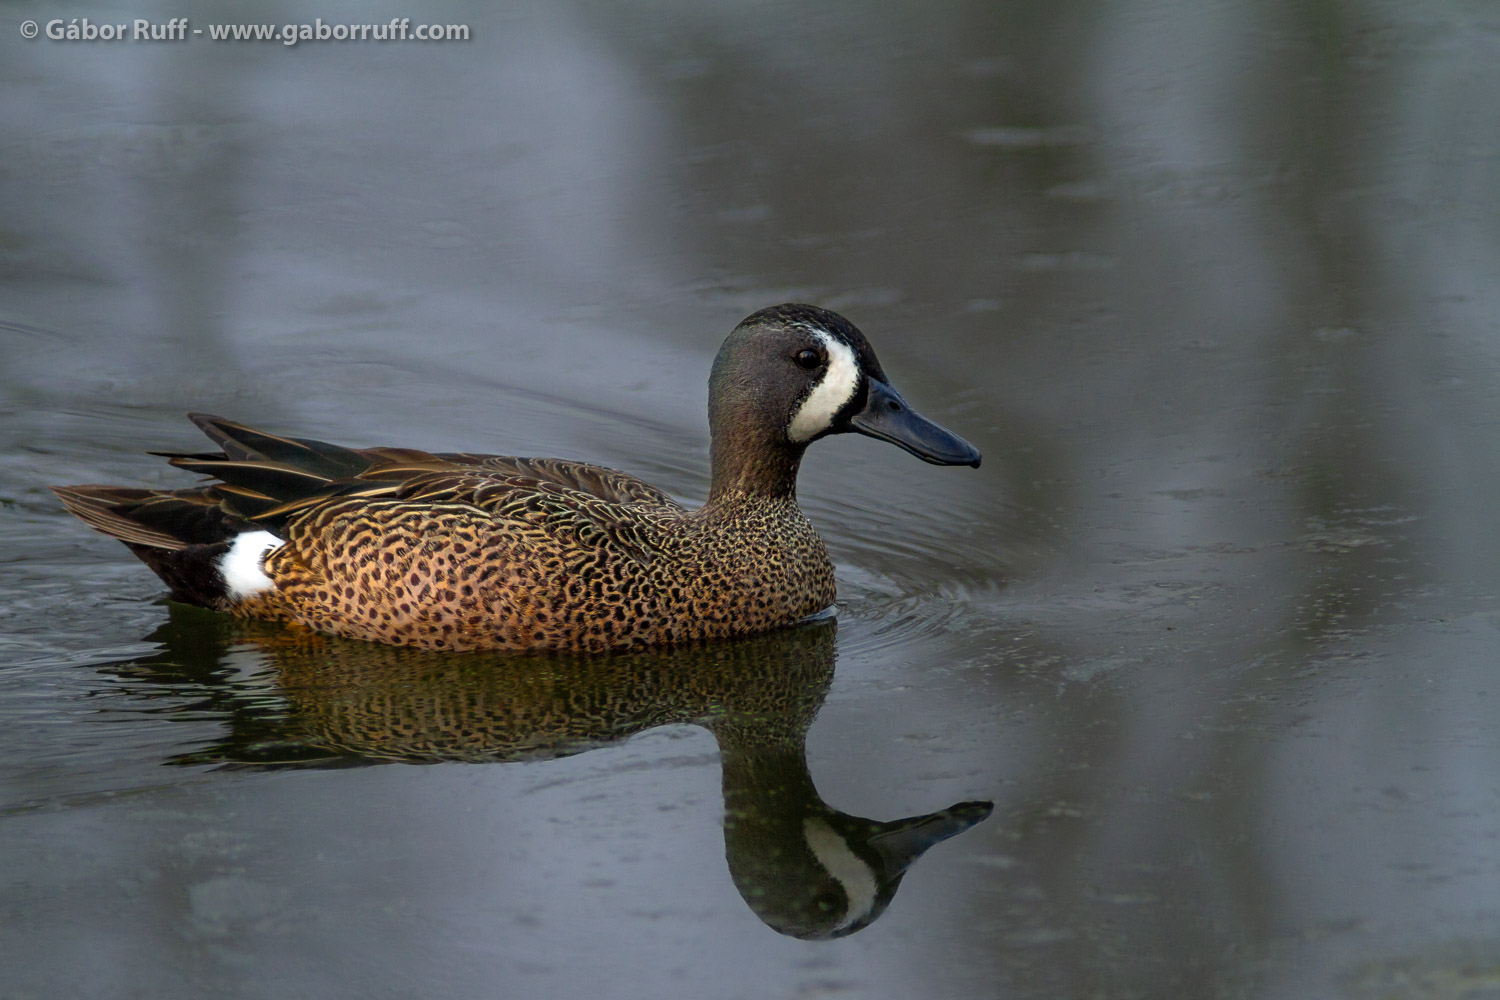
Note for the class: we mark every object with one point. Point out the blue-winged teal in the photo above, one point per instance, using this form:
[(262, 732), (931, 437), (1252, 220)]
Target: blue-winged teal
[(462, 551)]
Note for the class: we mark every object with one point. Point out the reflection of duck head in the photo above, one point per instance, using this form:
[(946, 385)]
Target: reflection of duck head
[(805, 869)]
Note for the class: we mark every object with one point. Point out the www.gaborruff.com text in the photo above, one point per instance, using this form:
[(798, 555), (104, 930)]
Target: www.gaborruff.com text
[(400, 29)]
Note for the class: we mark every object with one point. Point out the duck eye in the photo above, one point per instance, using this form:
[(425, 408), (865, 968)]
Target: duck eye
[(809, 359)]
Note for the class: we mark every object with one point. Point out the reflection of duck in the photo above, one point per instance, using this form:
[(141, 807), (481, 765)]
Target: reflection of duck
[(804, 868), (458, 551)]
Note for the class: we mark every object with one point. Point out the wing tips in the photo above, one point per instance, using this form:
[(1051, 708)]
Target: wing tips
[(107, 509)]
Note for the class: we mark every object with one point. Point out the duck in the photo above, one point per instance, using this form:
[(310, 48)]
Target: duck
[(461, 552)]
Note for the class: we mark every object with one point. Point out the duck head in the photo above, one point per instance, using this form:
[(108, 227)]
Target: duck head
[(793, 373)]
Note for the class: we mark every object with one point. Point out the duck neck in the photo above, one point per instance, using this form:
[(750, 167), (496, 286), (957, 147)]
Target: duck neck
[(746, 467)]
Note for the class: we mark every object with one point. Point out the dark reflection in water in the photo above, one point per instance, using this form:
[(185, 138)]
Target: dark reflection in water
[(806, 869)]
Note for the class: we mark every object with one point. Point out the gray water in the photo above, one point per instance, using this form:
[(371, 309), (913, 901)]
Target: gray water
[(1215, 627)]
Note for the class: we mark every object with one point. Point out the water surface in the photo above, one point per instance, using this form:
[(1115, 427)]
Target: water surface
[(1214, 627)]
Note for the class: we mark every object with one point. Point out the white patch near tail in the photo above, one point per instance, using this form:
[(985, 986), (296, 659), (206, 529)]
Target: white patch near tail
[(240, 566), (840, 381), (851, 871)]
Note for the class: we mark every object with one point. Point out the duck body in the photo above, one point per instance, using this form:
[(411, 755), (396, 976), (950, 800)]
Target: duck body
[(466, 552), (527, 554)]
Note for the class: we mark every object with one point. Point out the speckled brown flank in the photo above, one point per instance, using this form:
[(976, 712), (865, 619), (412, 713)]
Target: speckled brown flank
[(490, 567)]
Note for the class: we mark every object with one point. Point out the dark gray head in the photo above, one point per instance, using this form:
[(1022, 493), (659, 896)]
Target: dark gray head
[(793, 373)]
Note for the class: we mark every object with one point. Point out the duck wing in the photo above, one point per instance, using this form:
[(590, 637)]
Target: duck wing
[(269, 479)]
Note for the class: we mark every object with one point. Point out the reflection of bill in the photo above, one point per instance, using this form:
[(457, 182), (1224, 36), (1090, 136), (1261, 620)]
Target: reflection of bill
[(804, 868)]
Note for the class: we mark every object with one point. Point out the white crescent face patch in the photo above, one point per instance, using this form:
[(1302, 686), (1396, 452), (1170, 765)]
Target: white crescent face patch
[(846, 867), (839, 383)]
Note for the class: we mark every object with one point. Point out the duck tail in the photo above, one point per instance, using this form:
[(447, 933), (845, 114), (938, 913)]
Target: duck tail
[(184, 536), (206, 542)]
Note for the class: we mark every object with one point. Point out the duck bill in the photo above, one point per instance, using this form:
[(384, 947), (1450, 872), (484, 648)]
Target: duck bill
[(887, 417), (903, 841)]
